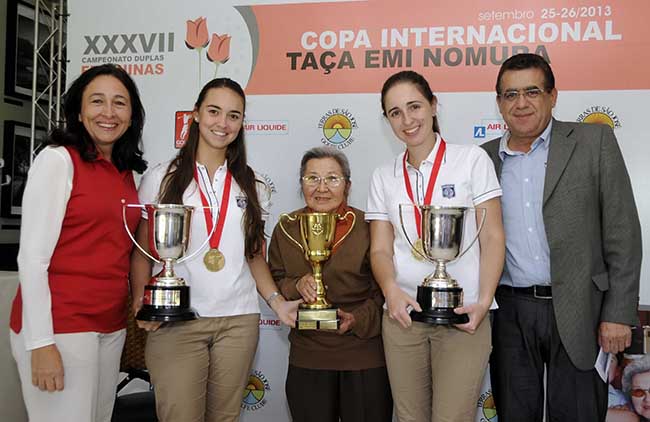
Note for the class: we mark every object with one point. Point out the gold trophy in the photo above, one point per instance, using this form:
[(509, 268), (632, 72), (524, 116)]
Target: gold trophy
[(317, 235)]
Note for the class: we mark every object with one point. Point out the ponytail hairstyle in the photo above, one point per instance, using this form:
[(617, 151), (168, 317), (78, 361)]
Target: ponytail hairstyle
[(180, 172), (409, 76)]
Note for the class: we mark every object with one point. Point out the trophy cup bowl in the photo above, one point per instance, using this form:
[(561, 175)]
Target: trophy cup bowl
[(317, 231), (442, 232), (167, 296)]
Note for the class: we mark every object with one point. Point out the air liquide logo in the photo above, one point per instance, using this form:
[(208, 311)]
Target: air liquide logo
[(266, 127), (270, 323), (338, 125), (140, 53), (489, 128), (256, 392), (487, 410), (600, 114)]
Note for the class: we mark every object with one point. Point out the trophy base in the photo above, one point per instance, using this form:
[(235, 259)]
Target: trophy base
[(440, 316), (317, 319), (438, 305), (148, 313), (166, 304)]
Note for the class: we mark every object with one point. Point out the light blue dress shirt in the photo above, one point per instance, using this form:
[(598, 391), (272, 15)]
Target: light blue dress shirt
[(522, 181)]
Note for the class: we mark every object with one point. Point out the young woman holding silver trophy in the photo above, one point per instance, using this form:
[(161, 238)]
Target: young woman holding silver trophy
[(333, 374), (199, 368), (436, 366), (68, 320)]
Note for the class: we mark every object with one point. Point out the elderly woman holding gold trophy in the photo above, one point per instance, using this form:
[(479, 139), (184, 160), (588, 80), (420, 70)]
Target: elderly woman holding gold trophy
[(320, 253)]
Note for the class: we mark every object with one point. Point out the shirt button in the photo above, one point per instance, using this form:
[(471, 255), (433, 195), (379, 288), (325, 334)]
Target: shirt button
[(528, 204), (537, 258), (530, 229), (526, 180)]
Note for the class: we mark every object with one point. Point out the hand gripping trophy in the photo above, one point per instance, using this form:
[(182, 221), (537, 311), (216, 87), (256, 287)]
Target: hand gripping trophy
[(317, 241), (439, 242), (167, 296)]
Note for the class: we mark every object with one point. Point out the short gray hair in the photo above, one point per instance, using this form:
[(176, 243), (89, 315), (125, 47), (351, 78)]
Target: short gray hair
[(635, 367), (326, 152)]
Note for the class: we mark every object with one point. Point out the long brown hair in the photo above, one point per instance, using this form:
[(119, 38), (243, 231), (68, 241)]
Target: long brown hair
[(180, 172)]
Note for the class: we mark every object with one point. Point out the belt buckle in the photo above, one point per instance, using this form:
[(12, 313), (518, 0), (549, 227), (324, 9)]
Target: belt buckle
[(536, 296)]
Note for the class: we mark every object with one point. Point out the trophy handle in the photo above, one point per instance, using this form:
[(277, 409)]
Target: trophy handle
[(292, 219), (344, 217), (205, 242), (401, 223), (135, 242), (478, 232)]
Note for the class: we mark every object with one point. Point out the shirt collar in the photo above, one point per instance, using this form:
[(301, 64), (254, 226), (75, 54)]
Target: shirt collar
[(543, 141), (220, 170), (430, 158)]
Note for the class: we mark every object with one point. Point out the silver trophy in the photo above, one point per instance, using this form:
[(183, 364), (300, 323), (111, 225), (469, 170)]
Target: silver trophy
[(440, 241), (167, 296)]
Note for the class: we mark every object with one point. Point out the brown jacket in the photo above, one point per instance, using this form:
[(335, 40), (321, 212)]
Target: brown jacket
[(350, 286)]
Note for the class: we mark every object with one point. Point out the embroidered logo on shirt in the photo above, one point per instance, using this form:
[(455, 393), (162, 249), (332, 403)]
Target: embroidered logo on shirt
[(448, 191), (242, 201)]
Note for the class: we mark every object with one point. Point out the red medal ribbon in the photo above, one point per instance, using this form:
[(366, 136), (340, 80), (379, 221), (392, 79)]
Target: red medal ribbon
[(432, 181), (223, 209)]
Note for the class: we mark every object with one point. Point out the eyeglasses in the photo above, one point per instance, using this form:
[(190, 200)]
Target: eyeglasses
[(528, 93), (639, 392), (331, 181)]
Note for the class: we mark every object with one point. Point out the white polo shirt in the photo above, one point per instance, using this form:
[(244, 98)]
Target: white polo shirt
[(231, 291), (466, 178)]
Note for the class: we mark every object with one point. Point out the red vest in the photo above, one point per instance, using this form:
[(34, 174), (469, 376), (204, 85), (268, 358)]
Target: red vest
[(88, 272)]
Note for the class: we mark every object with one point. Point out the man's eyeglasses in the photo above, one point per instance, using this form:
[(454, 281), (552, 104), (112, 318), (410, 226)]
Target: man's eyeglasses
[(639, 392), (331, 181), (528, 93)]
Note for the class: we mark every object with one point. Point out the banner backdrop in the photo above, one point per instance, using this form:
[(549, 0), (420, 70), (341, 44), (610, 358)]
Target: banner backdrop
[(313, 72)]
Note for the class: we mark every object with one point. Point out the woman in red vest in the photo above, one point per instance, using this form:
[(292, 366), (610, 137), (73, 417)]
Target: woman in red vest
[(69, 316)]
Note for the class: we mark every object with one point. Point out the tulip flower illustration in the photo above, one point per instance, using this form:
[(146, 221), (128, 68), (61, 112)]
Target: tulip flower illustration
[(219, 50), (197, 37)]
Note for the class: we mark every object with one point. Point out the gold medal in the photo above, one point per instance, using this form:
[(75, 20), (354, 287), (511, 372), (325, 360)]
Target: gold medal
[(214, 260), (418, 250)]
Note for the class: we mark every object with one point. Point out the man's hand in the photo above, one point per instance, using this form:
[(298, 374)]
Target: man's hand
[(613, 337)]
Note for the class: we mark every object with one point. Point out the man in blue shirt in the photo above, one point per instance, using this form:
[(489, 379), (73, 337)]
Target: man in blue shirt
[(573, 253)]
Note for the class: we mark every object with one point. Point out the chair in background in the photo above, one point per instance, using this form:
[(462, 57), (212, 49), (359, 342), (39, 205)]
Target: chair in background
[(137, 406)]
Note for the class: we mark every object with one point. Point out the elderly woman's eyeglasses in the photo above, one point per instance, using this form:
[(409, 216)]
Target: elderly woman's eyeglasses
[(331, 181), (639, 392), (528, 93)]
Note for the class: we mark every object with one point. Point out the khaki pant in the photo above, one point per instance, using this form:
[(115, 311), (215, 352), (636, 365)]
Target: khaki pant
[(435, 371), (199, 369)]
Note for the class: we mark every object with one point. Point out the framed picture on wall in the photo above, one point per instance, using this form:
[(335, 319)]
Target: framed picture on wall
[(19, 60), (15, 152)]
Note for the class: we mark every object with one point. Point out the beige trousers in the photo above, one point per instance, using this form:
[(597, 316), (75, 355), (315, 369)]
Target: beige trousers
[(199, 369), (91, 366), (435, 371)]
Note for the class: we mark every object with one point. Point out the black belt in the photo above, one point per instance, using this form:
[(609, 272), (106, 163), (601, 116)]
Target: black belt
[(536, 291)]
